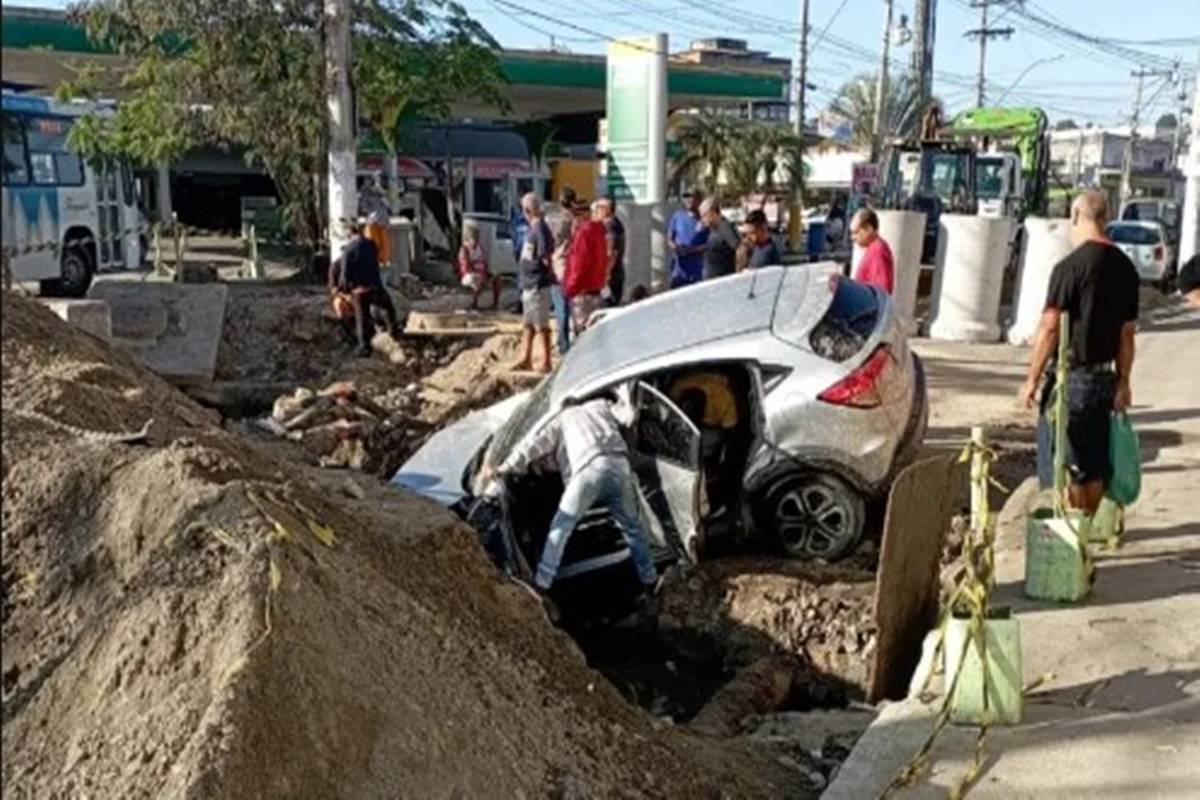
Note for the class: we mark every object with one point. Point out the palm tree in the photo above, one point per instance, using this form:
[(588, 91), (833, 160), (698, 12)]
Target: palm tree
[(705, 146), (856, 102)]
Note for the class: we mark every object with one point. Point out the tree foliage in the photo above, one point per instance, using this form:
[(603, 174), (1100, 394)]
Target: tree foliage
[(856, 102), (1065, 125), (730, 157), (250, 74)]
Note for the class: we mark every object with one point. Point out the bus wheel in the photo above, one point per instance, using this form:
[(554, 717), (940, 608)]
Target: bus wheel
[(76, 270)]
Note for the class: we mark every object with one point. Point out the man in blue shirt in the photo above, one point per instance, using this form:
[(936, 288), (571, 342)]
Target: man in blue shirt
[(687, 236)]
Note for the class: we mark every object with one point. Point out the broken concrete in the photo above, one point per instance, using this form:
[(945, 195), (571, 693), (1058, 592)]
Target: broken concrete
[(91, 316), (172, 329)]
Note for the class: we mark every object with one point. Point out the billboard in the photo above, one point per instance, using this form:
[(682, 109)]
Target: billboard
[(636, 90)]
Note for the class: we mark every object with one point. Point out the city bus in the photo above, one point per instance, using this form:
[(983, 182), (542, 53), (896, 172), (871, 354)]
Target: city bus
[(64, 218)]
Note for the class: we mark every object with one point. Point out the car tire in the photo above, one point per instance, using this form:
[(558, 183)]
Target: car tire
[(76, 274), (814, 515)]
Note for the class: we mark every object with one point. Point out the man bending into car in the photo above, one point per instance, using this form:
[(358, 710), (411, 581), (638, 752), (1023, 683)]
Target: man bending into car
[(590, 451)]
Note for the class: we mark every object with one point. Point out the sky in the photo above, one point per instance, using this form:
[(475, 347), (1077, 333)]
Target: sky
[(1068, 78)]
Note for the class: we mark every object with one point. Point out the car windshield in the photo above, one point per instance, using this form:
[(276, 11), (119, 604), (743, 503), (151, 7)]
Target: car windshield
[(1133, 234), (521, 422)]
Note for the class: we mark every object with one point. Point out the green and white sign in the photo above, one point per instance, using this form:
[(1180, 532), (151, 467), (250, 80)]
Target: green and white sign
[(636, 118)]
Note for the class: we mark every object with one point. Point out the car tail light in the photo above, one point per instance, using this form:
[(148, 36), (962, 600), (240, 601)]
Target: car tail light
[(860, 388), (1158, 253)]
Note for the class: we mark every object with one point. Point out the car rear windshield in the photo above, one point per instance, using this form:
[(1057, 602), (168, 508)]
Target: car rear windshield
[(1133, 234), (848, 324)]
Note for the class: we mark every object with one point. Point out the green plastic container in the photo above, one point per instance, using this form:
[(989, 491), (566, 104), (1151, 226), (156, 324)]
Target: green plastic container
[(1003, 682), (1056, 564), (1108, 524)]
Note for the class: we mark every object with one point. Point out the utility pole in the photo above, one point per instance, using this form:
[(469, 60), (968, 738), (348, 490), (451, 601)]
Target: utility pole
[(1177, 140), (983, 33), (1127, 161), (342, 163), (881, 85), (924, 22), (795, 226), (1189, 231)]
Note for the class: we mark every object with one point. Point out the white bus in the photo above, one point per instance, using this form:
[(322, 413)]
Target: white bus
[(64, 219)]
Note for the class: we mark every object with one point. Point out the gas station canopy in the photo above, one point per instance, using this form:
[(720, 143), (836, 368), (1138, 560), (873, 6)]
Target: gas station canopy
[(41, 48)]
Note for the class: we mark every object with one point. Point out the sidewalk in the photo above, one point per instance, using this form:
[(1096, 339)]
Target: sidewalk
[(1120, 716)]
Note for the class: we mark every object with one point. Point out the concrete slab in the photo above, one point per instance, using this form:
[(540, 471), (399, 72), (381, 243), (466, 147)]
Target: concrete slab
[(92, 316), (172, 329)]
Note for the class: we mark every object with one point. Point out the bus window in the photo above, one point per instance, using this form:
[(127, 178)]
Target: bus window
[(52, 163), (16, 167)]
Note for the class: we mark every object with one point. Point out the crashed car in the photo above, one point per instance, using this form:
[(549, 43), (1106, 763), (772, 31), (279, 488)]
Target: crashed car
[(830, 404)]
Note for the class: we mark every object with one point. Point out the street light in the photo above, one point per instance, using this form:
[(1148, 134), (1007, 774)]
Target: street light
[(1026, 71)]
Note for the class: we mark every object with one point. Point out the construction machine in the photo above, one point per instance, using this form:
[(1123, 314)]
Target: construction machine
[(1012, 161), (987, 161)]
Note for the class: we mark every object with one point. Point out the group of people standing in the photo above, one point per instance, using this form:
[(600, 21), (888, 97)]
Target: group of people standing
[(569, 266), (704, 245)]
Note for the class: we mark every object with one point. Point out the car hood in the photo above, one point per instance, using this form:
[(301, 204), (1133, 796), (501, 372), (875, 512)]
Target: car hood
[(435, 471)]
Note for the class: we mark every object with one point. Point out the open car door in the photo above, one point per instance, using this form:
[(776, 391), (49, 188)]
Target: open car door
[(666, 462)]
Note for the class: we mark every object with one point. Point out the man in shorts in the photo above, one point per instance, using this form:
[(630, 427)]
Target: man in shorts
[(536, 277), (1096, 287)]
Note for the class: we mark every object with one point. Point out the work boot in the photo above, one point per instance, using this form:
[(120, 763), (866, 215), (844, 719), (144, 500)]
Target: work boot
[(543, 598)]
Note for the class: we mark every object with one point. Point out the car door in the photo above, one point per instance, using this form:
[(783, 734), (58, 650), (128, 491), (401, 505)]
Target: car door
[(666, 462)]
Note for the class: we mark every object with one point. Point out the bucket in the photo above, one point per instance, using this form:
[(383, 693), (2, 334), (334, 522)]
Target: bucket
[(815, 244), (1056, 565), (994, 698)]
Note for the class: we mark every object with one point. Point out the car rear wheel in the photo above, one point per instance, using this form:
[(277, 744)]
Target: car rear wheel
[(815, 515)]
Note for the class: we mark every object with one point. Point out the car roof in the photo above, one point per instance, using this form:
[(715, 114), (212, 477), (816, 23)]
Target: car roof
[(669, 322)]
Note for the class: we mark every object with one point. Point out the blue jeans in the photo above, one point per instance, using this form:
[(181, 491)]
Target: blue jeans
[(562, 317), (607, 481)]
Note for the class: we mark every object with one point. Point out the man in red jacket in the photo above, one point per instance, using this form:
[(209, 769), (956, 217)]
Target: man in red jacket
[(587, 269)]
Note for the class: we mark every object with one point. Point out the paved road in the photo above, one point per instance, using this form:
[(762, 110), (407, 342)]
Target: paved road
[(1121, 716)]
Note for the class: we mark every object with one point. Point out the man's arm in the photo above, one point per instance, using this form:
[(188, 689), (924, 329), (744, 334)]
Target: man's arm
[(1125, 351), (541, 444), (1043, 347)]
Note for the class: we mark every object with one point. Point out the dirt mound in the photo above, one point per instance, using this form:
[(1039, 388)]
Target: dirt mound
[(191, 618)]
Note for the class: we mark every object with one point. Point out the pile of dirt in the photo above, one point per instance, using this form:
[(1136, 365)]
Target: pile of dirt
[(189, 617)]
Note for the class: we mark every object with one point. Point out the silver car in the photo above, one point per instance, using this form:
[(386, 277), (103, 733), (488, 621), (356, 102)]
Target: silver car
[(830, 404)]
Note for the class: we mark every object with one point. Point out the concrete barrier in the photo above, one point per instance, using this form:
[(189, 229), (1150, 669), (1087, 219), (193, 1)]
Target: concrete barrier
[(972, 254), (172, 329), (904, 231), (91, 316), (1047, 241)]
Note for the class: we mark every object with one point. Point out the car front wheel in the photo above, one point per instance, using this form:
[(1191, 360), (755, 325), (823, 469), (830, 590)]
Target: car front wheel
[(815, 515)]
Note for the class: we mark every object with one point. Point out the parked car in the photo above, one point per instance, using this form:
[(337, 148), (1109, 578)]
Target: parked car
[(1149, 248), (1167, 212), (831, 404)]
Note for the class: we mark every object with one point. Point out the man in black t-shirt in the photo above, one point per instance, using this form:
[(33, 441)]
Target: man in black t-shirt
[(1096, 286), (1189, 280), (535, 277)]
